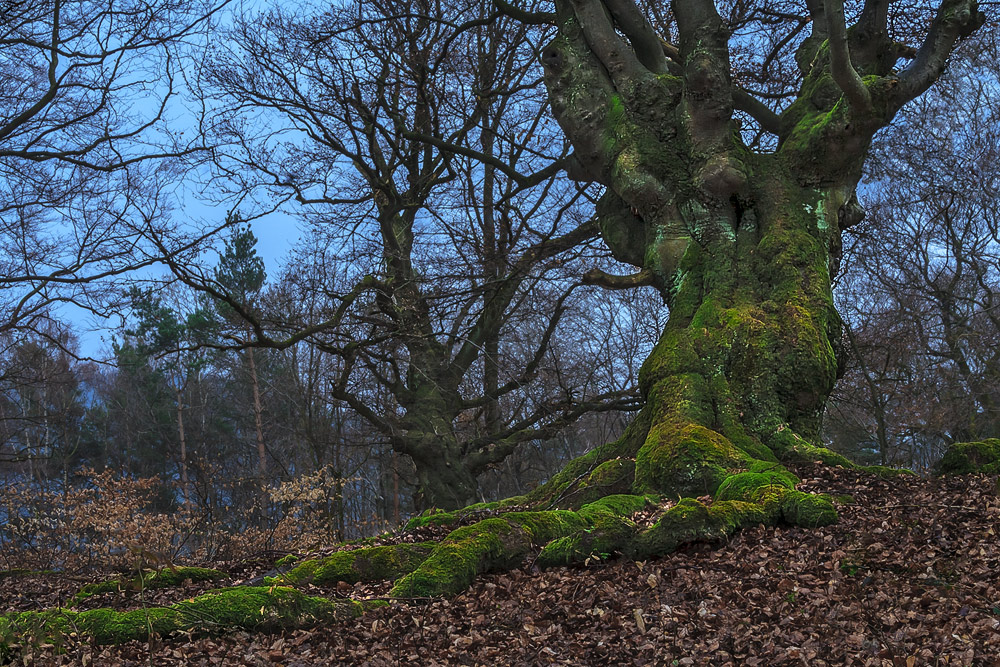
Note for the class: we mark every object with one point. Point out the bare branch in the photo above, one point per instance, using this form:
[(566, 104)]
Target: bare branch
[(840, 59), (769, 120), (525, 16), (955, 19), (645, 41), (611, 281)]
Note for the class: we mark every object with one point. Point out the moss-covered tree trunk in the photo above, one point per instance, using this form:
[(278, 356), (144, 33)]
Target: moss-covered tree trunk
[(742, 244)]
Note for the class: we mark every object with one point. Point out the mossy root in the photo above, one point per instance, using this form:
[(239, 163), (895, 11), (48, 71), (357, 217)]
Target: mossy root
[(381, 563), (250, 608), (165, 578), (964, 458)]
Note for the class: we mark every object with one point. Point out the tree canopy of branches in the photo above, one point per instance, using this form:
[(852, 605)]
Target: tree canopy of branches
[(416, 137), (920, 298), (86, 148)]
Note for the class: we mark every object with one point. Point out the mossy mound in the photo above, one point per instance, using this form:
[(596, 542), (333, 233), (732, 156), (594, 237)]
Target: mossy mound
[(690, 460), (964, 458), (610, 531), (149, 580), (432, 517), (359, 565), (690, 521), (250, 608), (492, 544)]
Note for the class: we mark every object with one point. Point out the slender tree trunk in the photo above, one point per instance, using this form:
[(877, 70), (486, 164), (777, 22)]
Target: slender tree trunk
[(395, 489), (182, 437), (877, 400), (491, 264), (258, 413)]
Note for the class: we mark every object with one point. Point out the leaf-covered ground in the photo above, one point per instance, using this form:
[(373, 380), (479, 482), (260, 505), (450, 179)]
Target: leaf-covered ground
[(909, 576)]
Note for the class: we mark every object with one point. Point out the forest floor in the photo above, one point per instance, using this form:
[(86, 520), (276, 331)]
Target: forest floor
[(909, 576)]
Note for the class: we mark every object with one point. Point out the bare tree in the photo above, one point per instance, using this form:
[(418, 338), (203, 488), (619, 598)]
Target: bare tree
[(86, 150), (417, 139), (925, 269)]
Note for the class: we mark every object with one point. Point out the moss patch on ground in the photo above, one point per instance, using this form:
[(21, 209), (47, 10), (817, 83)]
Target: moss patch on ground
[(265, 608), (964, 458)]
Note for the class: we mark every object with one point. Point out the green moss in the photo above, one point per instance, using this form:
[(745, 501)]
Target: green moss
[(456, 561), (496, 543), (480, 507), (964, 458), (684, 460), (437, 517), (790, 447), (545, 526), (773, 491), (608, 530), (756, 487), (690, 521), (432, 517), (845, 499), (165, 578), (286, 561), (358, 565), (812, 128), (618, 505), (773, 467), (513, 501), (562, 484), (683, 396), (808, 511), (249, 608), (608, 535), (611, 477), (178, 575)]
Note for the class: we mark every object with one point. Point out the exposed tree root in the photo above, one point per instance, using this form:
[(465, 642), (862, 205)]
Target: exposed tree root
[(359, 565), (150, 580), (248, 607), (708, 484), (751, 492)]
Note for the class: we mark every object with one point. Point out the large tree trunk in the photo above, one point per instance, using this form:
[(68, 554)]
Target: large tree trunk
[(747, 358), (444, 479), (741, 244)]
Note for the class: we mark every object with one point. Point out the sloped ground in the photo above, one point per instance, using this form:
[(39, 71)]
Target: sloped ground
[(909, 576)]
